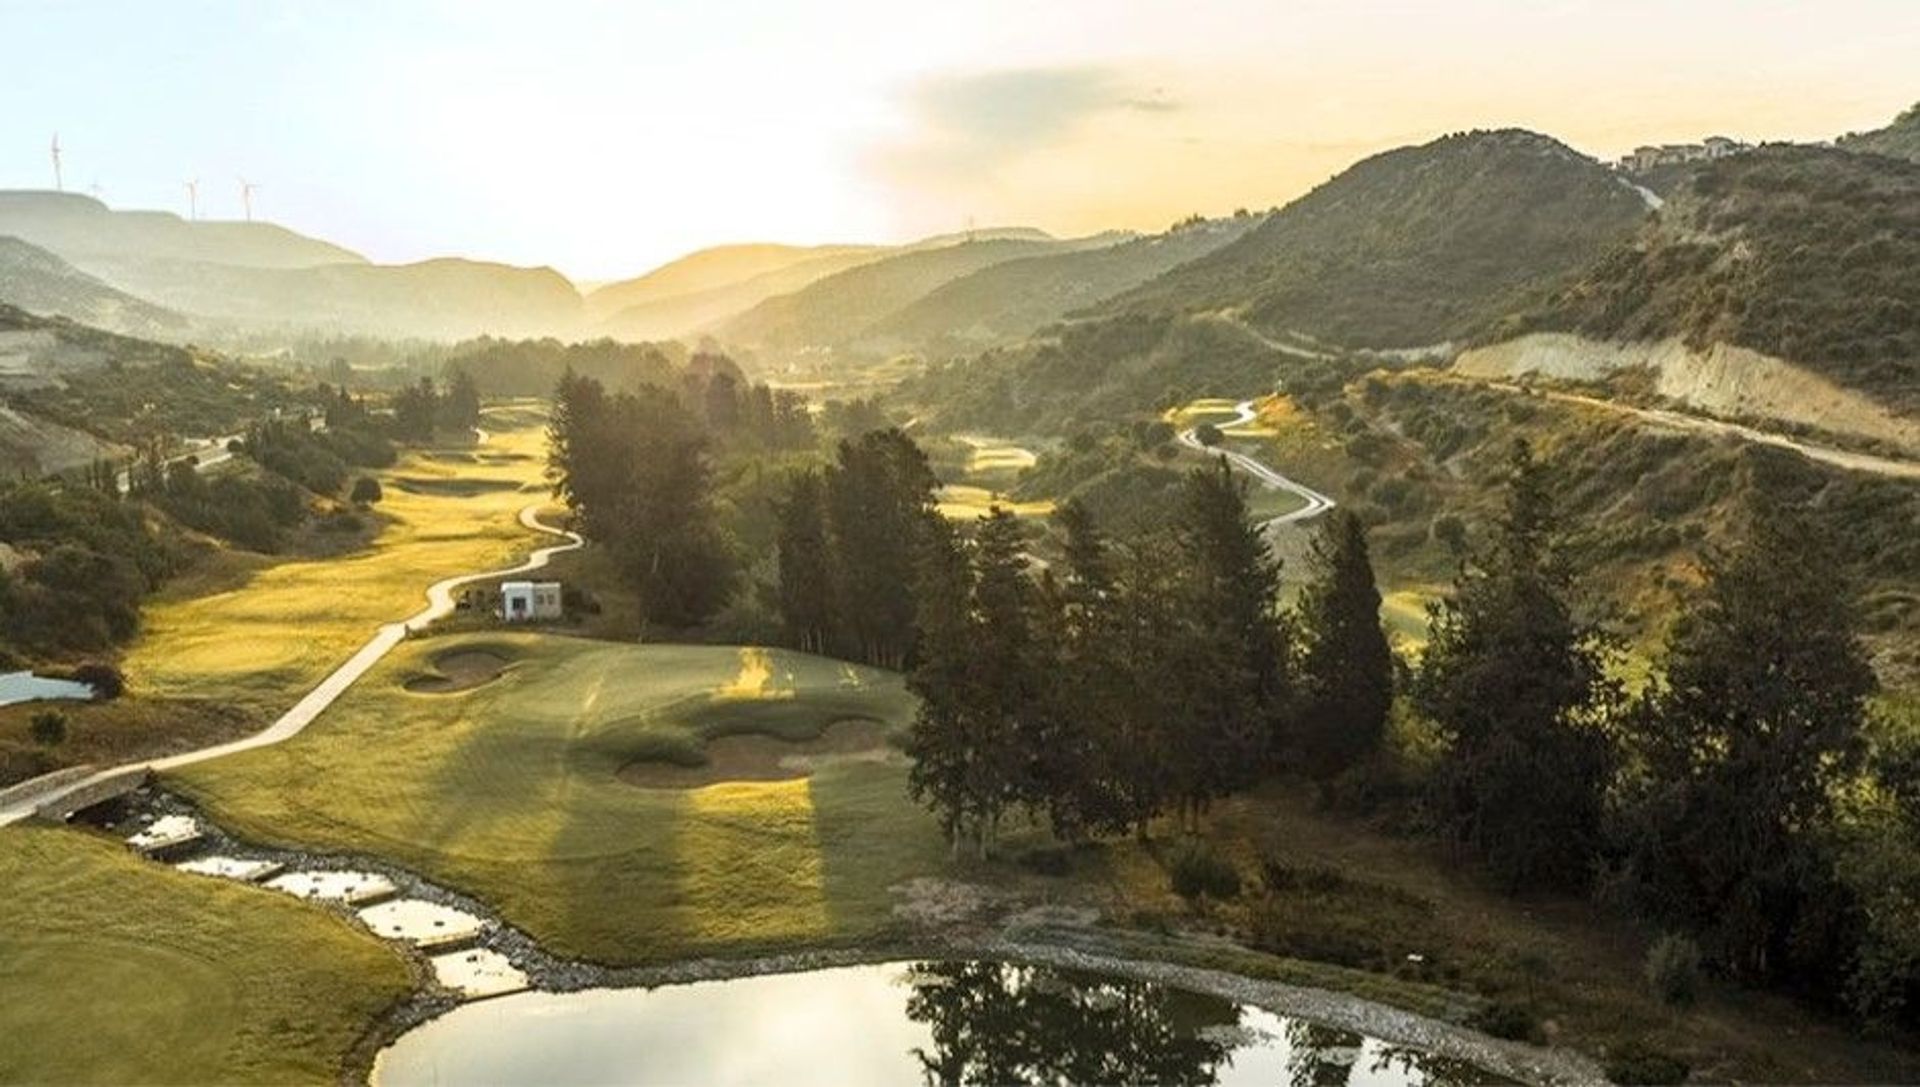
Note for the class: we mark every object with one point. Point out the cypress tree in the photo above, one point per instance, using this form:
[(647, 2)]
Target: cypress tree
[(940, 742), (806, 573), (1759, 719), (1518, 687), (1346, 666)]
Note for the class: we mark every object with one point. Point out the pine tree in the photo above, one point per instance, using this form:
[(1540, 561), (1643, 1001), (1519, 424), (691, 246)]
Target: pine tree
[(1759, 718), (1518, 687), (940, 740), (806, 574), (1085, 701), (1346, 666), (1231, 664), (1005, 674), (879, 503)]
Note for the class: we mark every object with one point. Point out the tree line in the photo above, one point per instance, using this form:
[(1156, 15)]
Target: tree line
[(1746, 799), (637, 468)]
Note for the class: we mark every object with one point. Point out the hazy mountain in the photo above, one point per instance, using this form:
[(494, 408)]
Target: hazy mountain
[(839, 310), (660, 305), (1901, 139), (708, 270), (86, 232), (447, 298), (1006, 302), (1411, 247), (685, 314), (1803, 253), (37, 281)]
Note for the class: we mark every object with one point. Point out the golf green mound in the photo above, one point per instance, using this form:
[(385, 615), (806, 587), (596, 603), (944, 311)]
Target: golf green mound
[(512, 791), (460, 670), (455, 488), (760, 757)]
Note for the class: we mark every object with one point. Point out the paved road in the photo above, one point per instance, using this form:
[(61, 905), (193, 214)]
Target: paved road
[(1858, 462), (1316, 503), (206, 451), (440, 603)]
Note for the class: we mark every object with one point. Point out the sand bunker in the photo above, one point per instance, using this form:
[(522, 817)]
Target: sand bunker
[(758, 757), (455, 488), (462, 670)]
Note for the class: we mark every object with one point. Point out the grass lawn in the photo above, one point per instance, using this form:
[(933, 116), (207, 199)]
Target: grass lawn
[(263, 642), (962, 502), (509, 791), (119, 970)]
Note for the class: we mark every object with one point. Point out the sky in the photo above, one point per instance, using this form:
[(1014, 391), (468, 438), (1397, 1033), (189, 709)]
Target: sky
[(604, 138)]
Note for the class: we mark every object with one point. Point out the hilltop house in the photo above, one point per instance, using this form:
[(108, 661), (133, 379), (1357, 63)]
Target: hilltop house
[(529, 601), (1671, 154)]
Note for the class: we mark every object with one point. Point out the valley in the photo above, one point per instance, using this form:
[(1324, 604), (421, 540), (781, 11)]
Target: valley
[(1467, 616)]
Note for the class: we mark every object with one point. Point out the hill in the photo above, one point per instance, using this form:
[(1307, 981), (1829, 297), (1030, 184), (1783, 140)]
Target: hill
[(1901, 139), (684, 314), (835, 313), (1412, 247), (445, 299), (1804, 254), (1006, 302), (36, 280), (87, 232), (706, 270)]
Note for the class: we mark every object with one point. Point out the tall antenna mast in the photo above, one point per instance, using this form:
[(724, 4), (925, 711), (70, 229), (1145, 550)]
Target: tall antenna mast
[(59, 183), (193, 198), (246, 196)]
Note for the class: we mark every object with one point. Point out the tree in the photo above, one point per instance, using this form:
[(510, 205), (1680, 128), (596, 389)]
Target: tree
[(1006, 675), (1757, 723), (48, 728), (1346, 666), (415, 411), (941, 742), (1518, 687), (459, 408), (1077, 766), (806, 570), (366, 491), (1230, 663), (1208, 435), (879, 505)]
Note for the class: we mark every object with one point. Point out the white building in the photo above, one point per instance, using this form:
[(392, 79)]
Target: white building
[(529, 601)]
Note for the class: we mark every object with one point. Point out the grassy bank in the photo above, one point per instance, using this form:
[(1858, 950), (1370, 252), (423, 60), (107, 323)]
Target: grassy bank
[(510, 791), (117, 970)]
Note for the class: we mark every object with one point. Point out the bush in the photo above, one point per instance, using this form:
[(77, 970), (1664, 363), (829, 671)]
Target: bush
[(1197, 871), (1673, 970), (1507, 1019), (108, 682), (1208, 435), (366, 491), (48, 728), (1636, 1063)]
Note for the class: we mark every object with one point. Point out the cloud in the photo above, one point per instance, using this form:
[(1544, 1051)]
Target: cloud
[(981, 121)]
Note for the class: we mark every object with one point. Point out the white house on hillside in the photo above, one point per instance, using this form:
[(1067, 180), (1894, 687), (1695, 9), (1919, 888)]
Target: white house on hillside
[(529, 601)]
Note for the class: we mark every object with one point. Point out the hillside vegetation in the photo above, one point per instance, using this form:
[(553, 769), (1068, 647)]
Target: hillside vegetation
[(1412, 247), (1804, 253), (40, 282), (840, 310), (1900, 140), (1007, 302)]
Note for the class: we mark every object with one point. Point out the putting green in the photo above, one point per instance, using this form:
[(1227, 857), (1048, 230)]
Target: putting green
[(264, 643), (119, 970), (510, 791), (961, 502)]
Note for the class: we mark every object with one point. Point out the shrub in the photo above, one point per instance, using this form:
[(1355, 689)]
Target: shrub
[(108, 682), (1673, 969), (366, 491), (1637, 1063), (1208, 435), (1198, 871), (1507, 1019), (48, 728)]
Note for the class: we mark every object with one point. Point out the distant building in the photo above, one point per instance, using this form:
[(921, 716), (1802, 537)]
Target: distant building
[(1671, 154), (529, 601)]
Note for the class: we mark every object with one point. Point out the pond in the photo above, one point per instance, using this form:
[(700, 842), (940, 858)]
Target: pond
[(896, 1023), (27, 687)]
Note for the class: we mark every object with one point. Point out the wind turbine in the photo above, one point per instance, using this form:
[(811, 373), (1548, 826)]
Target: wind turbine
[(193, 198), (247, 189), (59, 184)]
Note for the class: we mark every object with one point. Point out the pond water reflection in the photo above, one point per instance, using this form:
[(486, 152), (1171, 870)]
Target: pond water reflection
[(930, 1022)]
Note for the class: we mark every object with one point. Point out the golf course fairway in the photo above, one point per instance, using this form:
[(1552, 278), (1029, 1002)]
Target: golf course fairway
[(509, 789)]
